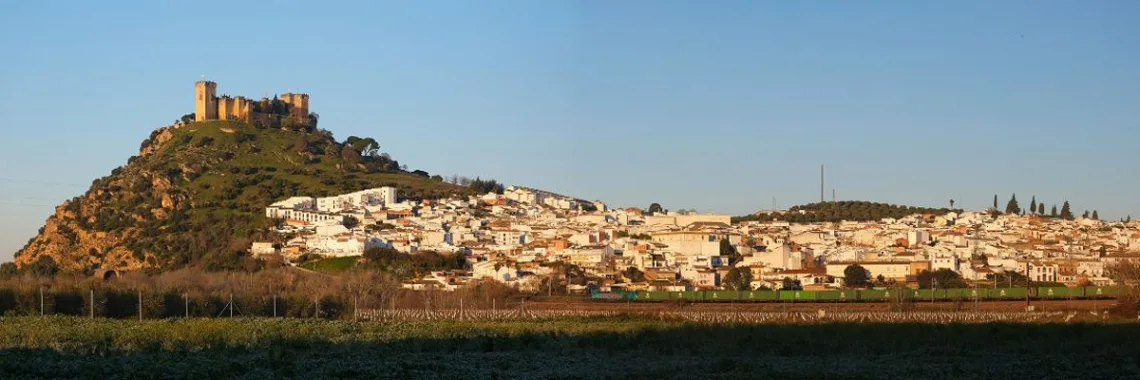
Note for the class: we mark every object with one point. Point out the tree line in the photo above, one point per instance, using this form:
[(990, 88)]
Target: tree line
[(842, 210), (1012, 207)]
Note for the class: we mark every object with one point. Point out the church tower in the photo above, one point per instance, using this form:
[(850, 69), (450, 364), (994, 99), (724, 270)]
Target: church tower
[(205, 101)]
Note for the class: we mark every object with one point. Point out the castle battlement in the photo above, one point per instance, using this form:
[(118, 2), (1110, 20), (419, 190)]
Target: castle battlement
[(209, 106)]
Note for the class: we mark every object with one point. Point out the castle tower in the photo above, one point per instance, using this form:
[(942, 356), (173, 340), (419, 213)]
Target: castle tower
[(205, 101), (298, 104)]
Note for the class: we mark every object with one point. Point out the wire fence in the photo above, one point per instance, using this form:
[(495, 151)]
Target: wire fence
[(126, 304)]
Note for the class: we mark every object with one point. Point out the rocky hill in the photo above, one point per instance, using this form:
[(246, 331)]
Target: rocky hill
[(196, 192)]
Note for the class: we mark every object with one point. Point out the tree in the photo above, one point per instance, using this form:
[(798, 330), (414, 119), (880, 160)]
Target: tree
[(1041, 209), (44, 266), (1085, 215), (855, 276), (350, 155), (1033, 204), (1011, 207), (1007, 279), (351, 222), (951, 203), (1053, 213), (737, 279), (881, 279), (995, 202), (789, 284), (726, 249), (942, 278), (1066, 212), (1095, 215), (7, 270), (634, 274), (655, 208)]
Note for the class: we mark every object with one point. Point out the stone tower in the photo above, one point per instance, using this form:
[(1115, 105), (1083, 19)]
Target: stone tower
[(205, 101), (298, 104)]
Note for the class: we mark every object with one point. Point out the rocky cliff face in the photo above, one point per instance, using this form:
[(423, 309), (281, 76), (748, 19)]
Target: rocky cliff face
[(72, 237), (195, 193)]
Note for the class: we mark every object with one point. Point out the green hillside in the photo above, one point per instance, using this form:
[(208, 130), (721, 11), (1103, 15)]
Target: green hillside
[(196, 195), (842, 210)]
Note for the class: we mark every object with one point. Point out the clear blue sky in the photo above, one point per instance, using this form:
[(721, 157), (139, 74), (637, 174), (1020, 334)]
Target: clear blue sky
[(718, 106)]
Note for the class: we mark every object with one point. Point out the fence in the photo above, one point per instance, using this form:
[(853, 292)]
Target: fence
[(115, 303), (718, 317), (122, 303)]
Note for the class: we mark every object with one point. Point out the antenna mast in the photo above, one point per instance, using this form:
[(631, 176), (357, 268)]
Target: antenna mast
[(821, 200)]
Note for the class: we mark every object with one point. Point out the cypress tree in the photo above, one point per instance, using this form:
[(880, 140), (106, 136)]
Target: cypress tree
[(1066, 212), (1033, 204), (1095, 215), (1011, 207), (995, 202), (1041, 209), (1053, 213)]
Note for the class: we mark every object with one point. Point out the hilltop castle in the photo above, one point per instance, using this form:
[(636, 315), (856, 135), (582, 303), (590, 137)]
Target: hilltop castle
[(208, 106)]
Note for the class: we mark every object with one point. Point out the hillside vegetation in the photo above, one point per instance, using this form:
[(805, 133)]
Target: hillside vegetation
[(196, 192), (842, 210)]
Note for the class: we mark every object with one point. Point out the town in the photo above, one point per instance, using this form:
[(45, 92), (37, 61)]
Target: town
[(524, 237)]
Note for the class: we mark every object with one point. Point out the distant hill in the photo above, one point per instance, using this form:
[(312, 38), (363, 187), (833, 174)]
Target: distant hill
[(196, 192), (842, 210)]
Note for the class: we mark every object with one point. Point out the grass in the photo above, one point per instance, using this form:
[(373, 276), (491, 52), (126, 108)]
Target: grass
[(331, 265), (568, 348)]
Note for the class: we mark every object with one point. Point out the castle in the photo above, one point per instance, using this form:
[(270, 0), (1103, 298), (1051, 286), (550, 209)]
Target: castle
[(208, 106)]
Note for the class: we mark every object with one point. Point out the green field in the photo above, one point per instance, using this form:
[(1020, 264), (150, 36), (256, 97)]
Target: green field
[(568, 348)]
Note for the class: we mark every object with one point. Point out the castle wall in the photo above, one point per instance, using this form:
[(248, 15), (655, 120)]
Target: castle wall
[(234, 108), (298, 104), (208, 106)]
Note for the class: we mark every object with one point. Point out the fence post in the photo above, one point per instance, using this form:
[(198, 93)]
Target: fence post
[(140, 304), (355, 307), (274, 306), (92, 303), (186, 304), (41, 301)]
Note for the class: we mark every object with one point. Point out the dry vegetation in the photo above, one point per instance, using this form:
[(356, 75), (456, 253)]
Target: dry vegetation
[(281, 292)]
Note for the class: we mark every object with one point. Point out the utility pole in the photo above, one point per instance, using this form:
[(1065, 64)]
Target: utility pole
[(275, 306), (92, 304), (41, 301), (140, 304), (1027, 282), (231, 305), (186, 304)]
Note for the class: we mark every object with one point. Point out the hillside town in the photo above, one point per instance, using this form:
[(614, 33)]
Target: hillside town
[(530, 239)]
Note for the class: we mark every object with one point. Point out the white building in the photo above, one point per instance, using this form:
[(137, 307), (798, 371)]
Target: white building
[(380, 196), (948, 262)]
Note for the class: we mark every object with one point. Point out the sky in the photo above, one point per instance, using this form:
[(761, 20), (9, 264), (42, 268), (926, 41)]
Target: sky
[(724, 106)]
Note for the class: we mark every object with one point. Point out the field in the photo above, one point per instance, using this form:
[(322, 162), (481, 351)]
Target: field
[(331, 265), (615, 346)]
